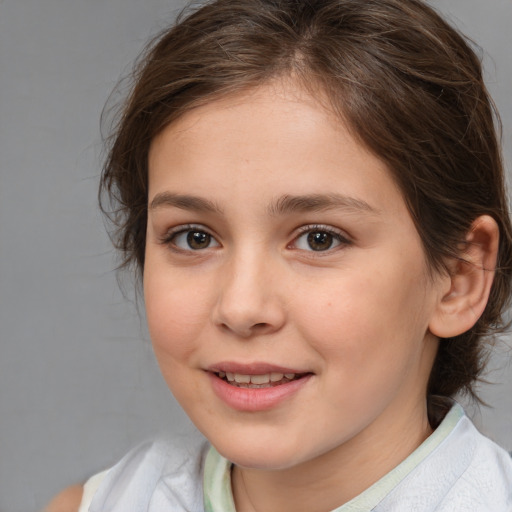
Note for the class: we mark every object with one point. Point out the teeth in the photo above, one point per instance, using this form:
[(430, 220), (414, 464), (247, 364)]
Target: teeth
[(260, 379), (265, 378)]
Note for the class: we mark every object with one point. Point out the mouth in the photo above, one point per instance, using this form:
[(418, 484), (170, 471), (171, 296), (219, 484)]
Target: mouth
[(258, 381), (256, 386)]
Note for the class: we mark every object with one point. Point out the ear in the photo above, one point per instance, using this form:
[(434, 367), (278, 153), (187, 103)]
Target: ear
[(464, 298)]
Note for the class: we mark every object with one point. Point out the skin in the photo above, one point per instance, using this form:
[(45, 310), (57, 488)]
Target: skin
[(356, 316), (361, 315), (66, 501)]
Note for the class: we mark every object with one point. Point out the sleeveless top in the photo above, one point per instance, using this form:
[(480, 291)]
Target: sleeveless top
[(455, 469)]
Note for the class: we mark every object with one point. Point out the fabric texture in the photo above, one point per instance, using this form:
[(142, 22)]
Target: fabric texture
[(90, 489), (455, 469)]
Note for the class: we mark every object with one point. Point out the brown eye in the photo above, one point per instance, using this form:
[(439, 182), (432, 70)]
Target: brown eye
[(198, 240), (191, 239), (320, 240)]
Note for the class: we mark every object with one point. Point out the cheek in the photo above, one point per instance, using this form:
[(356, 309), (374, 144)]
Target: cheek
[(175, 314), (366, 318), (175, 318)]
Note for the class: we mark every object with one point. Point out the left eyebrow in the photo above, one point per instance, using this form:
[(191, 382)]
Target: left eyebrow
[(184, 202), (319, 202)]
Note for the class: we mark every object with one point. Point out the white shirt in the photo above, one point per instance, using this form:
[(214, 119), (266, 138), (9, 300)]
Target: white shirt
[(455, 469)]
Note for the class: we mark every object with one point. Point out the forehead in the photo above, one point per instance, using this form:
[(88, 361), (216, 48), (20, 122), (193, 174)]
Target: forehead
[(277, 137), (284, 97)]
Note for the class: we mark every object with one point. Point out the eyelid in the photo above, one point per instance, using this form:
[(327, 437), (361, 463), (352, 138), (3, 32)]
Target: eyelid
[(170, 234), (341, 236)]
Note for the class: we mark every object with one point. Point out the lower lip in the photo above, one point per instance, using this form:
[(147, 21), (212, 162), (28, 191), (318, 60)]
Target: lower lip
[(255, 399)]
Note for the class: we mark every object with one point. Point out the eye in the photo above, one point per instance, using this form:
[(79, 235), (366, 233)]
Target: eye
[(190, 238), (319, 239)]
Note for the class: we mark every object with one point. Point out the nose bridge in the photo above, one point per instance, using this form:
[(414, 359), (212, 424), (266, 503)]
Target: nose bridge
[(248, 301)]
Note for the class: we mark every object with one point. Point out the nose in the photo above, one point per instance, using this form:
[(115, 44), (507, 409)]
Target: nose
[(249, 301)]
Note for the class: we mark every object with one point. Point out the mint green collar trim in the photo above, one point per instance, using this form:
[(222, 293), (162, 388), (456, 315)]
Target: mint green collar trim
[(218, 496), (370, 498), (217, 483)]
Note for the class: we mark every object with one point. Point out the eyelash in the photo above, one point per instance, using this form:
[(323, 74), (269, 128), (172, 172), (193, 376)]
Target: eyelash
[(169, 239), (338, 236)]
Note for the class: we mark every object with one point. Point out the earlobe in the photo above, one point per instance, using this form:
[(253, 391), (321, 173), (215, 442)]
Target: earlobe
[(470, 281)]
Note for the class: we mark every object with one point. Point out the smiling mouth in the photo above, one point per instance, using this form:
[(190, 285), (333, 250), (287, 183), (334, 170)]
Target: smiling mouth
[(265, 380)]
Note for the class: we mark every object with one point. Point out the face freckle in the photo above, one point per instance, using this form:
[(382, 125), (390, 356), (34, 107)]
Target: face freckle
[(349, 322)]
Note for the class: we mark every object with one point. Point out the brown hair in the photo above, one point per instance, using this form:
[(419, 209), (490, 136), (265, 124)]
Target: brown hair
[(406, 83)]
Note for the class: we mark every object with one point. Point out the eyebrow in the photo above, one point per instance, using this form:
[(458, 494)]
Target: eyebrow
[(281, 206), (184, 202), (317, 203)]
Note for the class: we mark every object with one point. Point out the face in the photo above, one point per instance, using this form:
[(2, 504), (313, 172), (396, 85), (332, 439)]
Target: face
[(287, 294)]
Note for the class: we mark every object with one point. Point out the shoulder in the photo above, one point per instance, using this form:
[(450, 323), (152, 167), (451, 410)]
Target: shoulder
[(165, 470), (67, 501), (465, 471), (476, 472), (488, 475), (163, 456)]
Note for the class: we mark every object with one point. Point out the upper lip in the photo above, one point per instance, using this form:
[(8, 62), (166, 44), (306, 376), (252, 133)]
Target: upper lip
[(256, 368)]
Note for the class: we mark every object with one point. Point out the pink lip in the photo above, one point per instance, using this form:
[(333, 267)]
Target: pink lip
[(252, 368), (254, 399)]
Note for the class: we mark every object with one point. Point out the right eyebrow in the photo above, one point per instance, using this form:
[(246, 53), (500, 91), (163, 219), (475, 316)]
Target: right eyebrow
[(319, 202), (184, 202)]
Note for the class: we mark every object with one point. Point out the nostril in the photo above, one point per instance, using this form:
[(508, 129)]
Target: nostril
[(255, 329)]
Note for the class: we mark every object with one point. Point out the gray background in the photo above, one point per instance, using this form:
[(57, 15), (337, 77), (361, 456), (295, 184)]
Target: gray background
[(78, 384)]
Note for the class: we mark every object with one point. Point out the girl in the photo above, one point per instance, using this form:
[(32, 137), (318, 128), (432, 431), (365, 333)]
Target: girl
[(312, 193)]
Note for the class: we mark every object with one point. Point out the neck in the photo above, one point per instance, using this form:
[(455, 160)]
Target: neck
[(333, 478)]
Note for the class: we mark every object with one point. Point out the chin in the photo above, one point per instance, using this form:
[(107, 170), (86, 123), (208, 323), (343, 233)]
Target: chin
[(262, 455), (259, 461)]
